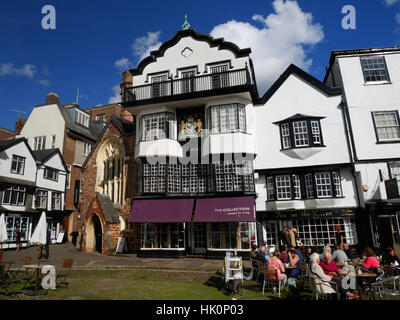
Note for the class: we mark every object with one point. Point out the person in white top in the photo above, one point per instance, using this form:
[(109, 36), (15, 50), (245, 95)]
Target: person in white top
[(318, 276)]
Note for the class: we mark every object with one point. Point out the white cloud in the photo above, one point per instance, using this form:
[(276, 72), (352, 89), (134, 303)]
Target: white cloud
[(44, 82), (285, 37), (28, 70), (116, 98), (122, 64), (390, 2), (142, 46)]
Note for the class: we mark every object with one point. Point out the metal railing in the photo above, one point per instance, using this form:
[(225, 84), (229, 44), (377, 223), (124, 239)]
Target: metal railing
[(208, 82)]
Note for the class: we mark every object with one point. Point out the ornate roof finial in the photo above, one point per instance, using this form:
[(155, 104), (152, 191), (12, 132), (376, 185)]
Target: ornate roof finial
[(186, 25)]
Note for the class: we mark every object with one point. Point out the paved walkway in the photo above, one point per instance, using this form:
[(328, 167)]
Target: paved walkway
[(59, 252)]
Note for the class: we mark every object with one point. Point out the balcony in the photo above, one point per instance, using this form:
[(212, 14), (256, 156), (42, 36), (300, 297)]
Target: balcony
[(191, 87)]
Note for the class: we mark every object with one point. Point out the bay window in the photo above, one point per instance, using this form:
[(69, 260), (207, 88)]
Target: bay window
[(155, 126), (300, 131), (226, 118), (163, 235), (234, 235)]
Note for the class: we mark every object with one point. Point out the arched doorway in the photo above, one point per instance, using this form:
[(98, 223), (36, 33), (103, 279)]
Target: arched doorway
[(94, 235), (98, 233)]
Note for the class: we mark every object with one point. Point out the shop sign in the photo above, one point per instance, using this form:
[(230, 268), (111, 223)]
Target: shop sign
[(309, 214)]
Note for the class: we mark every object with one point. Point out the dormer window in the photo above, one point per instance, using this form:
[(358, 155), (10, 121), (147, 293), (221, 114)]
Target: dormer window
[(82, 118), (300, 131), (374, 69)]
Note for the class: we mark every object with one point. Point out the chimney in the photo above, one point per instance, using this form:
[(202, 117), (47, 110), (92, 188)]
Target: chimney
[(19, 125), (127, 80), (52, 98)]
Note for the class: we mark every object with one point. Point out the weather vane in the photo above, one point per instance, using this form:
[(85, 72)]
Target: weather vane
[(186, 25)]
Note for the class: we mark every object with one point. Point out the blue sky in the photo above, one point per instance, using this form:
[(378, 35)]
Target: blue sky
[(91, 36)]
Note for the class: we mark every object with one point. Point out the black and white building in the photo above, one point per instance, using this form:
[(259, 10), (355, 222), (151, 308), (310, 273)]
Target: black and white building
[(30, 182), (370, 80), (304, 173), (192, 100)]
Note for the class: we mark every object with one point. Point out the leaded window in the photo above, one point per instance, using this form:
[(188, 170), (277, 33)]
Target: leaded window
[(283, 187), (14, 195), (41, 199), (300, 133), (227, 118), (156, 126), (323, 184)]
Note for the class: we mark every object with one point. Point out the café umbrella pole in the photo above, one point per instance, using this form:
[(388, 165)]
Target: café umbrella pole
[(3, 234), (39, 237)]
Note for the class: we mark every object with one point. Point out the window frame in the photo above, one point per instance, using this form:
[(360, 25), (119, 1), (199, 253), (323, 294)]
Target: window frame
[(18, 162), (240, 123), (53, 198), (386, 70), (306, 191), (14, 189), (288, 136), (397, 117), (168, 133), (41, 196), (48, 169), (39, 140)]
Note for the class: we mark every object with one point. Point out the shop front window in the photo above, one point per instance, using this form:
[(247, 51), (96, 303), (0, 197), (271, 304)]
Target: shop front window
[(163, 236), (230, 235), (320, 231), (17, 223)]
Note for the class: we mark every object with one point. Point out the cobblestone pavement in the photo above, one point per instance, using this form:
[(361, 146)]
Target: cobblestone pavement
[(59, 252)]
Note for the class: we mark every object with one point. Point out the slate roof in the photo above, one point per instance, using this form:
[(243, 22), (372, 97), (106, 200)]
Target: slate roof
[(107, 207)]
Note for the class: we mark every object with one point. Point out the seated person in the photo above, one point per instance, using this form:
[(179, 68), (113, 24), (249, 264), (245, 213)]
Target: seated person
[(295, 259), (348, 251), (389, 258), (339, 256), (328, 265), (307, 255), (326, 248), (253, 258), (275, 263), (318, 276), (284, 255), (262, 255), (370, 263)]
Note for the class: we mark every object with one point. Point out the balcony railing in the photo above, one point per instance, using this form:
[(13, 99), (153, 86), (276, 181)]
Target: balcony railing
[(217, 82)]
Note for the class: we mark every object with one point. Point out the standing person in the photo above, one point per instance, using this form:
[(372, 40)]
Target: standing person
[(348, 251), (292, 237), (17, 235), (46, 246), (284, 235), (339, 237), (308, 254)]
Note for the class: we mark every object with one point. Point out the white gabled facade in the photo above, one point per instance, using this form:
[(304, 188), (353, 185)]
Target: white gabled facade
[(304, 169), (21, 177), (194, 94), (370, 79)]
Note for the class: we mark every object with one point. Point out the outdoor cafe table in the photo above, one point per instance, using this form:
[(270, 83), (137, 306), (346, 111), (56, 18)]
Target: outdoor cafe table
[(368, 276), (288, 270), (5, 268), (36, 272)]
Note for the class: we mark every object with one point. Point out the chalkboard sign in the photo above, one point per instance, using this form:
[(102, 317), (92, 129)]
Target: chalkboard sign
[(60, 236), (121, 245)]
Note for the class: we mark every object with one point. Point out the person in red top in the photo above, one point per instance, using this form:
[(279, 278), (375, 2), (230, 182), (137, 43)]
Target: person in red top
[(328, 265), (370, 261)]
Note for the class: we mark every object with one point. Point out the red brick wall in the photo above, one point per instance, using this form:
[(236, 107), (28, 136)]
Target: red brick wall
[(109, 110), (89, 174)]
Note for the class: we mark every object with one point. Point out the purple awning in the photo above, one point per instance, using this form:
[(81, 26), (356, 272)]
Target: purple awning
[(161, 210), (238, 209)]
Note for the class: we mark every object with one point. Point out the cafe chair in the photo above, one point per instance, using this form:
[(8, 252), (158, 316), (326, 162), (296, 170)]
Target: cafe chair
[(385, 283), (316, 289), (64, 272), (304, 272), (271, 278), (21, 273), (261, 266)]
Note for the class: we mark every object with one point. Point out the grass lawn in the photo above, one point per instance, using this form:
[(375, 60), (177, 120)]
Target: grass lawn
[(143, 284)]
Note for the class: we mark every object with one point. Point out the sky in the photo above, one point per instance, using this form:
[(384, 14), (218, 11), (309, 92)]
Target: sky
[(94, 41)]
